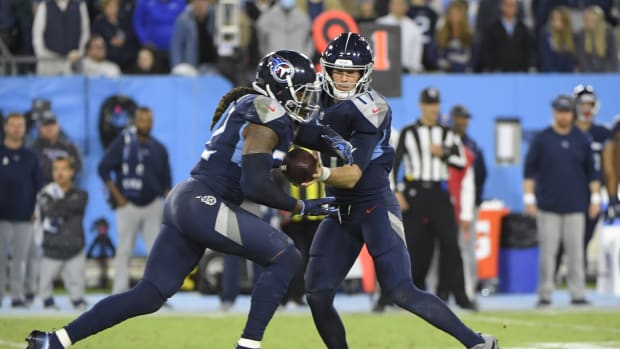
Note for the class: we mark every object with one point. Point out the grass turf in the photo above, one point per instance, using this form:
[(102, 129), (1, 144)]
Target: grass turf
[(392, 330)]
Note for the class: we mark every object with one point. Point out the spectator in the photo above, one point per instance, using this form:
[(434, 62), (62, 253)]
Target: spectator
[(116, 29), (313, 8), (16, 26), (596, 45), (284, 26), (94, 63), (469, 197), (426, 18), (558, 158), (142, 177), (59, 34), (253, 10), (506, 44), (556, 44), (427, 149), (617, 32), (146, 63), (153, 23), (366, 13), (411, 36), (20, 180), (455, 40), (61, 209), (193, 37), (50, 145)]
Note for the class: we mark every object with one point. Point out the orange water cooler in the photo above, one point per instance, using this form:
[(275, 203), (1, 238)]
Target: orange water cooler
[(488, 230)]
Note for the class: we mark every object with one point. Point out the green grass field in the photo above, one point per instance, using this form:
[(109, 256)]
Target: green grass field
[(584, 329)]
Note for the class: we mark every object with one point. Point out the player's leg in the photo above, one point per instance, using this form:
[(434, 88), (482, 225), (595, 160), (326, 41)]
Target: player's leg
[(239, 232), (127, 223), (419, 237), (572, 237), (549, 231), (384, 236), (73, 275), (173, 256), (334, 250)]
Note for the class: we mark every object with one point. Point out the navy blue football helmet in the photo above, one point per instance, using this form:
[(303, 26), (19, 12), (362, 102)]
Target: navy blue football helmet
[(348, 51), (585, 94), (290, 78)]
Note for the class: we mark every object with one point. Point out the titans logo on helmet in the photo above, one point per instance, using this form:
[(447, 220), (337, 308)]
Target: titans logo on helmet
[(281, 68)]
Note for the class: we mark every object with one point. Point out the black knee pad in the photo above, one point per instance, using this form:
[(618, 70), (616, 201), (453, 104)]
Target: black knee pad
[(147, 297)]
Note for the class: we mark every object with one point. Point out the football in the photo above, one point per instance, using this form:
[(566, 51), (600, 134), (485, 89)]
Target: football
[(298, 166)]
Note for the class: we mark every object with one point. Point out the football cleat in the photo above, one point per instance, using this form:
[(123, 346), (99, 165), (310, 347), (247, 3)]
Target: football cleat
[(490, 342), (38, 340)]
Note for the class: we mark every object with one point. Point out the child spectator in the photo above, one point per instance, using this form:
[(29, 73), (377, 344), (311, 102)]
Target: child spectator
[(60, 211)]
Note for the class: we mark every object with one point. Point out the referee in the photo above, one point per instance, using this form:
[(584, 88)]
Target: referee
[(426, 149)]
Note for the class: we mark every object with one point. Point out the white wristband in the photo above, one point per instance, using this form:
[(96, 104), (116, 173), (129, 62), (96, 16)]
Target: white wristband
[(325, 173), (529, 199), (595, 199)]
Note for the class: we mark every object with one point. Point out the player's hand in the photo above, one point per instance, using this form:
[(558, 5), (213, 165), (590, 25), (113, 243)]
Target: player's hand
[(339, 145), (594, 210), (315, 176), (437, 150), (402, 202), (318, 207), (531, 209), (465, 226)]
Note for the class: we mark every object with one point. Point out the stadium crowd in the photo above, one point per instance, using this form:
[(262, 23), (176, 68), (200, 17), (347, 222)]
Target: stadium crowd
[(112, 37)]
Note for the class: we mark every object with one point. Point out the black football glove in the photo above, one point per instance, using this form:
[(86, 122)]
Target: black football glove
[(339, 145), (613, 208), (318, 207)]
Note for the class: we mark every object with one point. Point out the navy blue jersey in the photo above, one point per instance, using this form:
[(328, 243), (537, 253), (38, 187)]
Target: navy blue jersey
[(600, 136), (557, 162), (220, 164), (365, 121)]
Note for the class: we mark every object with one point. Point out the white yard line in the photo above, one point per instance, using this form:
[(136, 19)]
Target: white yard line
[(529, 323), (4, 343)]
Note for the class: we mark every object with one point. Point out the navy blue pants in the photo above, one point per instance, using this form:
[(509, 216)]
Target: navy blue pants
[(194, 219)]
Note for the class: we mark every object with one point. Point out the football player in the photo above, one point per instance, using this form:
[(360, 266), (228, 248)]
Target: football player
[(368, 211), (203, 212)]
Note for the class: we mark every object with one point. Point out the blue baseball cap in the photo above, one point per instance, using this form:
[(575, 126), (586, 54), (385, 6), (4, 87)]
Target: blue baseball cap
[(563, 103)]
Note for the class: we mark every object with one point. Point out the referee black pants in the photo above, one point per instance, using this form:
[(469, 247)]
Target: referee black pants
[(430, 218)]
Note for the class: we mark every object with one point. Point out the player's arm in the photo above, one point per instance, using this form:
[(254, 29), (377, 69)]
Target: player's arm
[(257, 182), (610, 153), (347, 176), (529, 173)]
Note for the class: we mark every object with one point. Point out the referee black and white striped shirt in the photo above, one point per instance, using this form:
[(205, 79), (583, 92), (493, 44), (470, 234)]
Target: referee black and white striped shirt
[(414, 152)]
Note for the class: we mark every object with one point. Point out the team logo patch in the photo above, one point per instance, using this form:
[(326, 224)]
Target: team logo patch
[(207, 199), (281, 68)]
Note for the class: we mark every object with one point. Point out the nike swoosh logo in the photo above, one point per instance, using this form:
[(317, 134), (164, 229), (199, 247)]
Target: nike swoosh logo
[(370, 209), (375, 111), (271, 108)]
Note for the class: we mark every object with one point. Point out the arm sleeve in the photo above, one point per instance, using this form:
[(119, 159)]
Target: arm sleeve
[(176, 44), (468, 195), (309, 136), (593, 171), (258, 185), (138, 15), (167, 176), (531, 160), (364, 144), (111, 159), (456, 156), (85, 30), (38, 27)]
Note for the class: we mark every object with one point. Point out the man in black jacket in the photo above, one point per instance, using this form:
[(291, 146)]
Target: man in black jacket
[(506, 44), (61, 209)]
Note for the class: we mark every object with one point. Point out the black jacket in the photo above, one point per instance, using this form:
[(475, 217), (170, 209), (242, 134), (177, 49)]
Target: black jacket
[(65, 237)]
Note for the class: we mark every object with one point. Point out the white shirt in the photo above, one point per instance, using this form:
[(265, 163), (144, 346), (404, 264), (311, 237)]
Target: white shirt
[(411, 39), (103, 68)]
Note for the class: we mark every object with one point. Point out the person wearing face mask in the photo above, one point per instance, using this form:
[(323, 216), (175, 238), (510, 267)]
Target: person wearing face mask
[(284, 26)]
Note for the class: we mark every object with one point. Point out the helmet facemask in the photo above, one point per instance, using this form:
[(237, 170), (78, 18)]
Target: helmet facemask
[(301, 102)]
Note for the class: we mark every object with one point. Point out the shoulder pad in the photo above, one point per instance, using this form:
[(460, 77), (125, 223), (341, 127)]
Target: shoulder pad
[(372, 106), (268, 109)]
